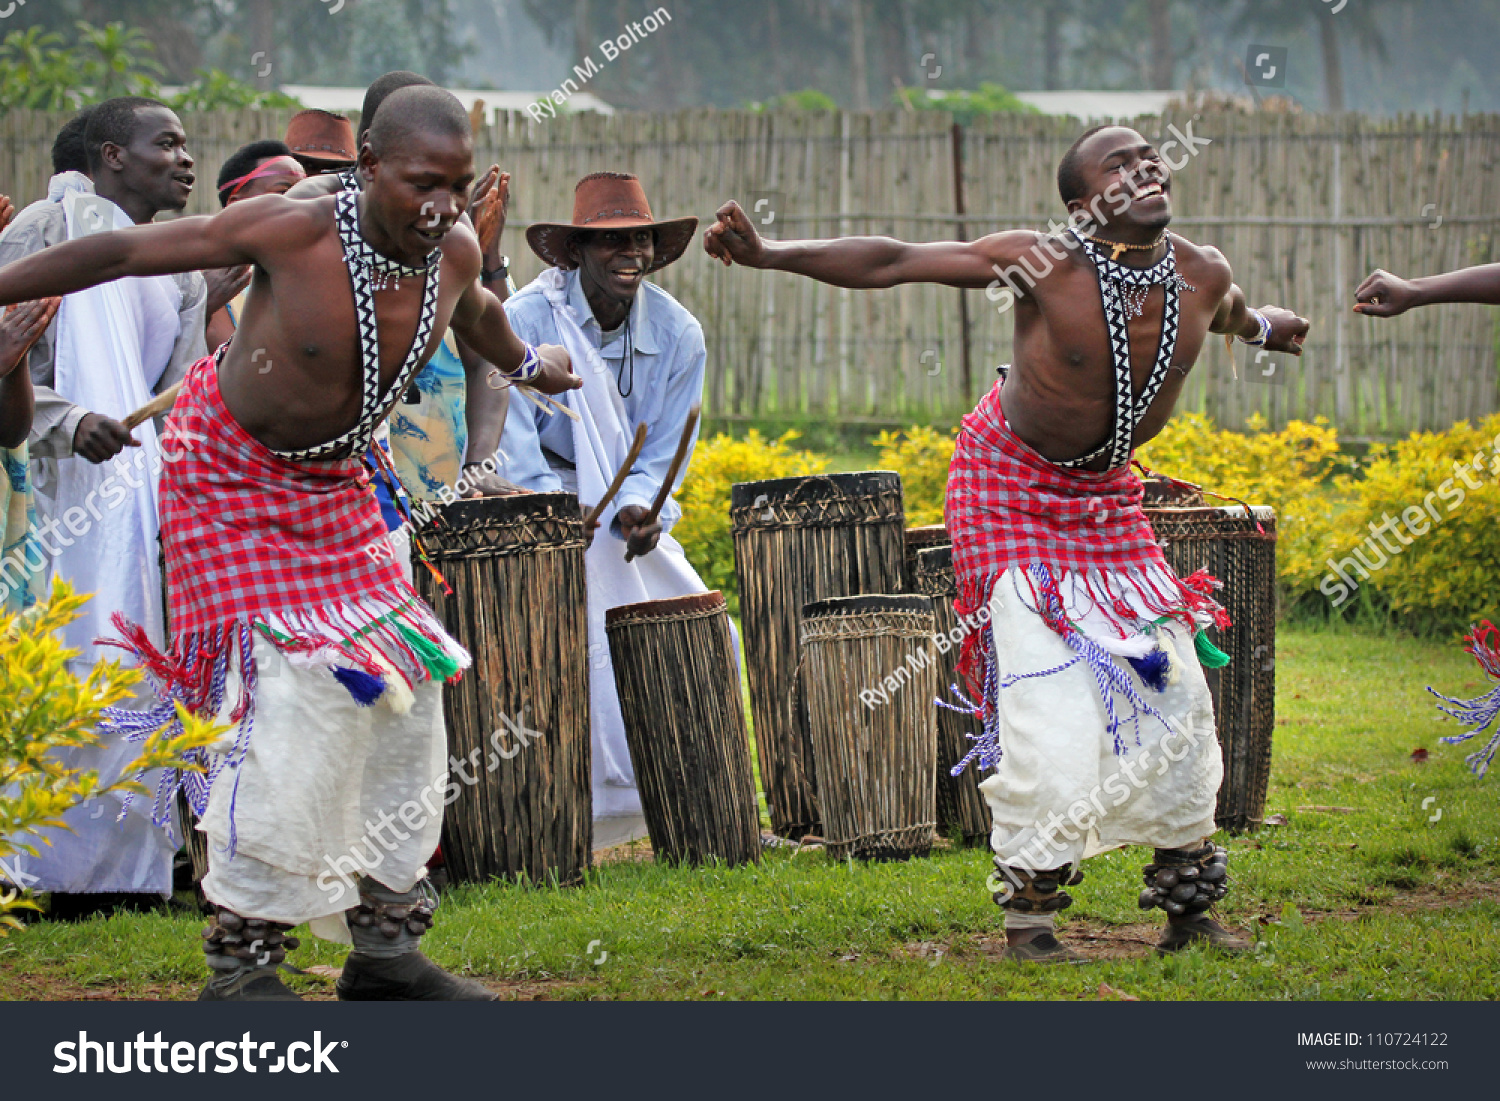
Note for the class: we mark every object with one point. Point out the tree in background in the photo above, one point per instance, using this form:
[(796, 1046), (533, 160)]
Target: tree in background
[(305, 42), (990, 99), (38, 69), (1359, 23), (728, 52)]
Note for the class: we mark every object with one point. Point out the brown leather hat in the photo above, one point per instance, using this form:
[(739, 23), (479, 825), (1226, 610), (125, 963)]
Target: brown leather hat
[(321, 140), (610, 200)]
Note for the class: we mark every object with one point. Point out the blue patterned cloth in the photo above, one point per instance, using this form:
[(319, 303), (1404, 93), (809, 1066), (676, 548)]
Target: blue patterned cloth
[(428, 440), (21, 558)]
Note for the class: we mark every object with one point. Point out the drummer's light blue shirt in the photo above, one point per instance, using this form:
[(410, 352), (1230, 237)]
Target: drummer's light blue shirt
[(670, 359)]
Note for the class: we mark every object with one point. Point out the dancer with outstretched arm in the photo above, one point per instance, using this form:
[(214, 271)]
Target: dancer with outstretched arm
[(266, 517), (1098, 722)]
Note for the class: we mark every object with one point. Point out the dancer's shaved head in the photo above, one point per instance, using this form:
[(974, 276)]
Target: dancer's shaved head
[(380, 90), (417, 110)]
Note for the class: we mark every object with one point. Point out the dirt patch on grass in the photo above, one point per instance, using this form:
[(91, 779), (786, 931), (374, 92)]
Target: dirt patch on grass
[(48, 986), (1427, 897), (632, 852), (1137, 940), (1094, 939)]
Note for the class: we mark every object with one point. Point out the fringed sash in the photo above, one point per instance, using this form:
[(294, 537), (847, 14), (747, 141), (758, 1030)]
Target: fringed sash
[(1484, 643), (1092, 567), (258, 544)]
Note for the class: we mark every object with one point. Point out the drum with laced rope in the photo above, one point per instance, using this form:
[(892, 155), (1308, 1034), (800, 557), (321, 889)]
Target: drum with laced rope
[(798, 540), (919, 539), (519, 720), (961, 809), (678, 679), (1237, 544), (875, 756)]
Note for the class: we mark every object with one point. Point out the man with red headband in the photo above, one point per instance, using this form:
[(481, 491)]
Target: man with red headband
[(260, 168)]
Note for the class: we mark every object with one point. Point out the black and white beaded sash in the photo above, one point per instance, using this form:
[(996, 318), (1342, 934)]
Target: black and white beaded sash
[(1124, 291), (369, 272)]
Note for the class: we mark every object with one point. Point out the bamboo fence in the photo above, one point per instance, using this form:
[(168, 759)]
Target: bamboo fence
[(1304, 206)]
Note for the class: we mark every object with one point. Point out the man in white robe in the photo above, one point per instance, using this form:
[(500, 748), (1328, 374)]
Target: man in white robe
[(111, 348), (641, 356)]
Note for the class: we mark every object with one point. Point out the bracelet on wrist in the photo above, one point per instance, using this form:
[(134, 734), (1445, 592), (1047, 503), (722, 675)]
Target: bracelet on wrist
[(1265, 330), (530, 366), (489, 275)]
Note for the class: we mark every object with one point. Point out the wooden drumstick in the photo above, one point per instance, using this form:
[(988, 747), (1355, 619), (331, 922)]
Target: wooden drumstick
[(620, 476), (159, 404), (677, 460), (531, 392)]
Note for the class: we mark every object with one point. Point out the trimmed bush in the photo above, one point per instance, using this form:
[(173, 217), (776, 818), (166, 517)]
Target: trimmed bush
[(704, 529), (1422, 529), (921, 456), (1435, 496)]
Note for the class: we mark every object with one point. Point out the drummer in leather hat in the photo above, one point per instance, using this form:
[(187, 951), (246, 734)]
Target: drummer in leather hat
[(321, 141), (651, 345), (642, 357)]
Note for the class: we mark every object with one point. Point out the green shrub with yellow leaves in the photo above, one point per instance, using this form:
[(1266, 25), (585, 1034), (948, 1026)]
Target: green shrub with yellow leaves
[(704, 530), (1295, 470), (1425, 517), (44, 707), (1444, 575), (921, 456)]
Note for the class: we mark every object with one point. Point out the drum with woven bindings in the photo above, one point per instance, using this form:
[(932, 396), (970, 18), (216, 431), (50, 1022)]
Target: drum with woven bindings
[(518, 721), (678, 679), (1237, 545), (869, 678), (798, 540), (919, 539), (960, 807)]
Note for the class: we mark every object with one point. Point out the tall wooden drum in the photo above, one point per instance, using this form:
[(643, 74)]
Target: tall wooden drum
[(919, 539), (679, 685), (875, 756), (1238, 548), (798, 540), (520, 716), (960, 806)]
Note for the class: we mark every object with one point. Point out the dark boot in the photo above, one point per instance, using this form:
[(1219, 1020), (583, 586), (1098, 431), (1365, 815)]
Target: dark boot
[(245, 954), (1043, 948), (1028, 892), (1186, 883), (1185, 932), (385, 965)]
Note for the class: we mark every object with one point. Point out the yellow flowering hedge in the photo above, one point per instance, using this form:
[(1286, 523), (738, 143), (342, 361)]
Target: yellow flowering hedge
[(1426, 516), (1295, 471), (1446, 573), (704, 529), (44, 707), (921, 456)]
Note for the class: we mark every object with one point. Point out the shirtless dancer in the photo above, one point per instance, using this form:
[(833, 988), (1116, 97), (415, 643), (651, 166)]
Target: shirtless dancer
[(1088, 675), (265, 520)]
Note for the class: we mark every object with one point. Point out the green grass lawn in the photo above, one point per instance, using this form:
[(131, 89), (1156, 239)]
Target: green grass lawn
[(1364, 892)]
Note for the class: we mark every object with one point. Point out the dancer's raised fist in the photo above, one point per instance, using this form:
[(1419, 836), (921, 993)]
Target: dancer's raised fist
[(1384, 295), (732, 238)]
